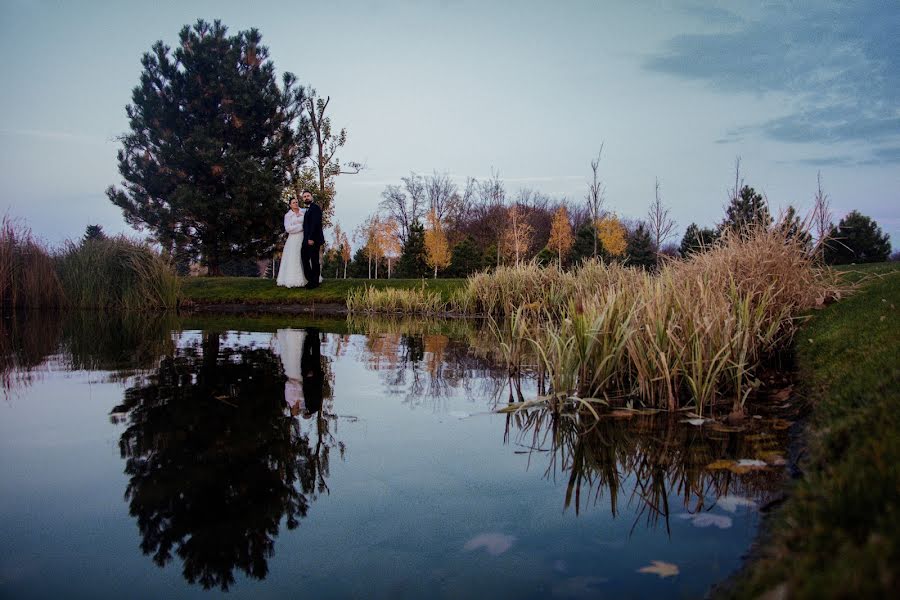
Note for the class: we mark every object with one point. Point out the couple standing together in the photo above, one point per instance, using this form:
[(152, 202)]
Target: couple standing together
[(300, 259)]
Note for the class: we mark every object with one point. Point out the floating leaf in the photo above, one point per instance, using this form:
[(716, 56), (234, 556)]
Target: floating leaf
[(658, 567), (719, 465), (731, 503), (707, 519), (494, 543)]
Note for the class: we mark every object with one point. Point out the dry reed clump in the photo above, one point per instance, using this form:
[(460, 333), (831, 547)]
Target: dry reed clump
[(392, 300), (696, 332), (117, 273), (27, 274)]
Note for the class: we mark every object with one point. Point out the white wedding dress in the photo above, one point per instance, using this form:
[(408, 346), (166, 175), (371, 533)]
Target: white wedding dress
[(290, 350), (290, 272)]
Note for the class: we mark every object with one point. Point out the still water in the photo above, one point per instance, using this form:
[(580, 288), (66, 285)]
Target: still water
[(158, 457)]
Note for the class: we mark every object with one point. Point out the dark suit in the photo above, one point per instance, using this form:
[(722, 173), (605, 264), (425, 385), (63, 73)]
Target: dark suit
[(309, 253), (313, 373)]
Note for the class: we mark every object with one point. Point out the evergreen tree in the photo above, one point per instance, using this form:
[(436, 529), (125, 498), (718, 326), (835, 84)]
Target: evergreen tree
[(641, 248), (747, 209), (214, 140), (359, 266), (794, 228), (93, 232), (857, 239), (583, 248), (467, 259), (696, 240), (412, 262)]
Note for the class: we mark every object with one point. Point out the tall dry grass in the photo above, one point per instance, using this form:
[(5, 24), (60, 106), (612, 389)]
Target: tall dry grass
[(117, 273), (27, 274), (694, 334), (393, 300)]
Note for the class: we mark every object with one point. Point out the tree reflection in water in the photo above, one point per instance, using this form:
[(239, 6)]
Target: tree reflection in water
[(428, 360), (214, 460), (657, 456)]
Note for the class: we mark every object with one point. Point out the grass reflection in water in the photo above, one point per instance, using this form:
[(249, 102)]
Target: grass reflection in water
[(656, 456)]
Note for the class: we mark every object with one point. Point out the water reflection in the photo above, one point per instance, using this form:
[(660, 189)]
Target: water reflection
[(427, 360), (122, 344), (652, 460), (214, 462)]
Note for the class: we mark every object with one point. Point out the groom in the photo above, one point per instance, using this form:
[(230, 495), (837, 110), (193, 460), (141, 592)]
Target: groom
[(313, 239)]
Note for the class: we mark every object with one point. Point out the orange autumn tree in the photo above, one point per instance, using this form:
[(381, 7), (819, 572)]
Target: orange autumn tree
[(561, 238), (612, 235), (437, 250)]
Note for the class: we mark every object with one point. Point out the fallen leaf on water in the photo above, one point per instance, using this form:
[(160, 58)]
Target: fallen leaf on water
[(494, 543), (707, 519), (739, 467), (720, 464), (772, 458), (731, 503), (658, 567)]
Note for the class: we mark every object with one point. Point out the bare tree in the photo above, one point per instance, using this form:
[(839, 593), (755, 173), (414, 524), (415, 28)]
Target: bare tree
[(491, 197), (406, 205), (821, 217), (327, 164), (661, 225), (595, 197), (443, 197), (735, 192)]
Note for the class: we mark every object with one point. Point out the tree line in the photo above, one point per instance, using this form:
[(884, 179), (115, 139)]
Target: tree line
[(428, 225)]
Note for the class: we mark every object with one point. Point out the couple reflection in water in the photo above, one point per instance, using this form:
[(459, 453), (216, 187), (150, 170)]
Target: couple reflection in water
[(301, 357), (214, 468)]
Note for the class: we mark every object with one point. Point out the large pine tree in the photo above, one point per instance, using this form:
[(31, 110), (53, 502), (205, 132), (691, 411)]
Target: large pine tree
[(214, 139)]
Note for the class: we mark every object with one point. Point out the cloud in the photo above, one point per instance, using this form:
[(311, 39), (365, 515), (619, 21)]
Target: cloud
[(836, 63), (60, 136)]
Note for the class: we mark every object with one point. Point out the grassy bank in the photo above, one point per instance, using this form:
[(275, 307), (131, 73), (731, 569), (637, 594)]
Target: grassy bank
[(251, 290), (838, 533)]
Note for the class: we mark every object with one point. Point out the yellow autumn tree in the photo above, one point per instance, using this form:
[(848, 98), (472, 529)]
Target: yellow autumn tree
[(390, 241), (437, 250), (517, 238), (612, 235), (368, 236), (561, 238)]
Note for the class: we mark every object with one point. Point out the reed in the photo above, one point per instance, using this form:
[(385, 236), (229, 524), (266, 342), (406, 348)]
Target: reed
[(394, 300), (27, 274), (117, 273), (694, 334)]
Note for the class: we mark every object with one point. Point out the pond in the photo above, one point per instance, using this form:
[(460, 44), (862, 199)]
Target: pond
[(164, 457)]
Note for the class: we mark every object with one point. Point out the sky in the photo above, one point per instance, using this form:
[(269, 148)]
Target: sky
[(529, 90)]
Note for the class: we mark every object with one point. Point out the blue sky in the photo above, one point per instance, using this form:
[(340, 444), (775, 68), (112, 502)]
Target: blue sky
[(527, 89)]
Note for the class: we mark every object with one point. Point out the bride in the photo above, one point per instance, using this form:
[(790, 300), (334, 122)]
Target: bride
[(290, 272)]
